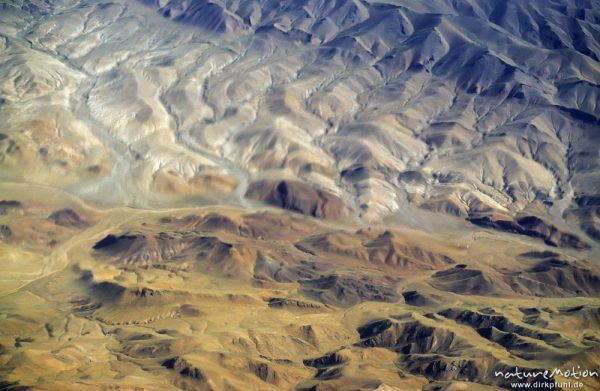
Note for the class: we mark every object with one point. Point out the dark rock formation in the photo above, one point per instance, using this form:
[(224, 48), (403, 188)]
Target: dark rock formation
[(184, 368), (556, 277), (68, 218), (464, 281), (7, 206), (297, 197), (345, 291), (5, 232), (532, 226)]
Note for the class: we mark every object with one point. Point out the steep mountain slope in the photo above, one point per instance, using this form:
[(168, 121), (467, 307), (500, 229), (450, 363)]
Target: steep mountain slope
[(306, 194), (463, 107)]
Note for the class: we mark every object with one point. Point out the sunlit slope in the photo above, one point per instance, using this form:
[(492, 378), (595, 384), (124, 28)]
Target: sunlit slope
[(222, 298), (311, 195), (463, 108)]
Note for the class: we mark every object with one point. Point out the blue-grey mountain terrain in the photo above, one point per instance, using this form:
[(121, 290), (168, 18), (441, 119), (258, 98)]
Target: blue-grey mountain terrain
[(353, 180)]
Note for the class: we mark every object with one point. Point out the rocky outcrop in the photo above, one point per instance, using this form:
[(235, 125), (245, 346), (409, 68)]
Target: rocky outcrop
[(295, 304), (5, 232), (385, 249), (183, 367), (556, 277), (465, 281), (7, 206), (346, 290), (417, 299), (141, 249), (297, 197), (68, 218), (411, 337), (486, 325), (532, 226)]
